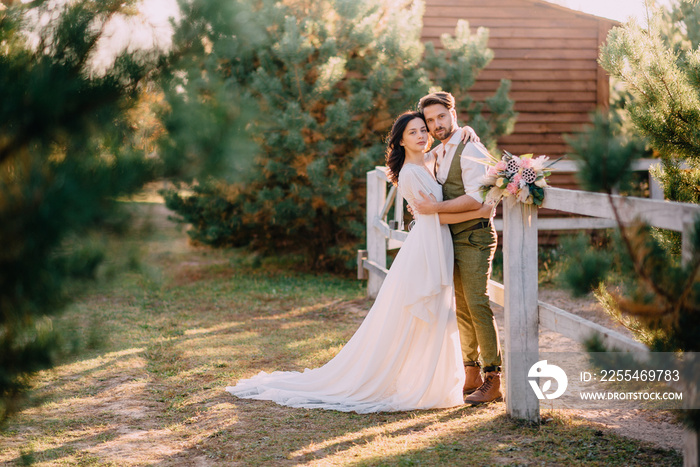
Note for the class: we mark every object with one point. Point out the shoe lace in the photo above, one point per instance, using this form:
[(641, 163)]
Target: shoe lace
[(487, 384)]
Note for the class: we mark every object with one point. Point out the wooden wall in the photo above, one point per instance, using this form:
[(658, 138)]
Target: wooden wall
[(547, 51)]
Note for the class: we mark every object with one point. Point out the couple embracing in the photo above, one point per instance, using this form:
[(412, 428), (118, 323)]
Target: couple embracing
[(430, 338)]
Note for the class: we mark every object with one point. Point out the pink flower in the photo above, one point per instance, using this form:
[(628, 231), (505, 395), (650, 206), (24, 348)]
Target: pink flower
[(512, 188), (516, 178), (500, 166), (492, 171), (526, 163)]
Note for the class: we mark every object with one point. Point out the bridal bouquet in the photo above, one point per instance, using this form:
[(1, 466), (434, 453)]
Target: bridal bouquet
[(521, 176)]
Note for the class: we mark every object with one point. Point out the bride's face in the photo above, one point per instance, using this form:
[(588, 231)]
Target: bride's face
[(415, 136)]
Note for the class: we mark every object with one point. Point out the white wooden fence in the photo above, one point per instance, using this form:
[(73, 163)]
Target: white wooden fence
[(524, 313)]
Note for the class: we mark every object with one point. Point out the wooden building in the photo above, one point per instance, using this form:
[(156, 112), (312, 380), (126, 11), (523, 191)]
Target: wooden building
[(547, 51)]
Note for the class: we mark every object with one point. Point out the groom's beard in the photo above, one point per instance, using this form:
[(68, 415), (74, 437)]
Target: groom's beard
[(442, 133)]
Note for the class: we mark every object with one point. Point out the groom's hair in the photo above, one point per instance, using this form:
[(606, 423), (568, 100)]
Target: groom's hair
[(443, 98)]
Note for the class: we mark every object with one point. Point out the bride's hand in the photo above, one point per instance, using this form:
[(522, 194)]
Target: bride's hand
[(486, 210), (425, 204), (469, 135)]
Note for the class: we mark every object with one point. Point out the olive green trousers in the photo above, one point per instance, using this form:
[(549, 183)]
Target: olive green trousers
[(478, 332)]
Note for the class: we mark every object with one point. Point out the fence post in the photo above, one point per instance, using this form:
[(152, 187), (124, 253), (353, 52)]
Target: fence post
[(655, 189), (398, 210), (376, 242), (691, 455), (691, 438), (521, 312)]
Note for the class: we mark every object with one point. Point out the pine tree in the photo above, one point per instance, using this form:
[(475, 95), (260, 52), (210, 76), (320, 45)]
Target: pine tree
[(205, 109), (661, 67), (73, 140), (657, 295), (679, 25), (329, 77)]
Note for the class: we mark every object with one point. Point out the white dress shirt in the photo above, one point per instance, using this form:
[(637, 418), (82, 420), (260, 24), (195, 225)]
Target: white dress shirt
[(472, 171)]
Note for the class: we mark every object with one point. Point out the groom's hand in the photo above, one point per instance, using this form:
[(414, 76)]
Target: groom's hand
[(425, 204), (469, 135)]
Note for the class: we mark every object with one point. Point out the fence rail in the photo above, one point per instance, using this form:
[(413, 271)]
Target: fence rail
[(524, 313)]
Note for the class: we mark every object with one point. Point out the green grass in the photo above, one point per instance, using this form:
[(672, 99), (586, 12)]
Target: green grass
[(163, 338)]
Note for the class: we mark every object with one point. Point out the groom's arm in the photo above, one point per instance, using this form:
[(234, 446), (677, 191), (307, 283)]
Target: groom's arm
[(472, 174), (485, 212), (427, 205)]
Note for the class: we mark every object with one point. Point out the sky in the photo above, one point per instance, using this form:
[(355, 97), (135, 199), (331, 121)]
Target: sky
[(619, 10)]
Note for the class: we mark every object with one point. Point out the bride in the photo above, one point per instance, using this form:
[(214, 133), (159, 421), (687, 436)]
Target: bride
[(406, 353)]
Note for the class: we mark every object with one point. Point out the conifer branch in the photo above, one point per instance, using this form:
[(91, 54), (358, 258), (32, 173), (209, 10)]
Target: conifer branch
[(633, 257), (688, 287)]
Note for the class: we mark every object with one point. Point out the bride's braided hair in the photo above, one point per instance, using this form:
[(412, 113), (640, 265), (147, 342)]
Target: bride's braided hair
[(395, 153)]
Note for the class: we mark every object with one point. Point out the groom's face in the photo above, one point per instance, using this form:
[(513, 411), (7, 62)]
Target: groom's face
[(441, 121)]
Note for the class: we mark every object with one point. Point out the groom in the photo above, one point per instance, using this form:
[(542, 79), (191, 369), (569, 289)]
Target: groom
[(474, 246)]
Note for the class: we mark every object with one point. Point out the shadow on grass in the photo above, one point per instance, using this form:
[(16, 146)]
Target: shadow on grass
[(180, 382), (266, 434), (153, 394)]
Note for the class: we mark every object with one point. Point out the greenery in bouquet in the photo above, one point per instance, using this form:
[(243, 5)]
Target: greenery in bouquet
[(522, 176)]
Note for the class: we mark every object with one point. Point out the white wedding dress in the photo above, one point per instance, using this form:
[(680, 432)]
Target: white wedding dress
[(406, 353)]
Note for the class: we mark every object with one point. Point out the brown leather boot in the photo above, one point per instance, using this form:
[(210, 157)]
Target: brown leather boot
[(472, 379), (490, 391)]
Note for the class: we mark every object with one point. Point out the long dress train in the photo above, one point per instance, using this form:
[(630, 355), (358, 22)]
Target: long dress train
[(406, 354)]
